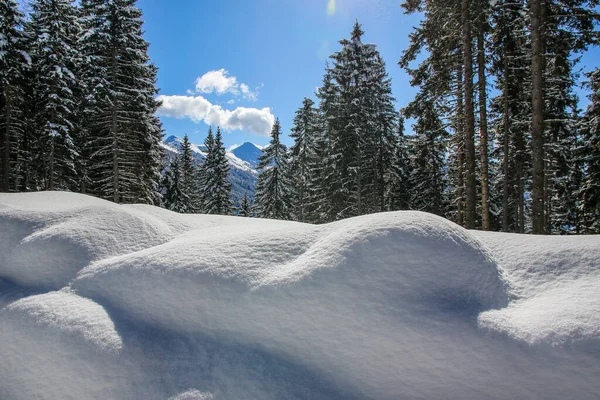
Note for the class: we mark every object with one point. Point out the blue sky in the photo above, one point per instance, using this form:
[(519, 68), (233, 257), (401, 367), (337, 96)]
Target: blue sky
[(240, 63), (277, 48)]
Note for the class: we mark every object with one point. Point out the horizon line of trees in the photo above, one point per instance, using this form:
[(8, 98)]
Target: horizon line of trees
[(351, 157), (77, 112)]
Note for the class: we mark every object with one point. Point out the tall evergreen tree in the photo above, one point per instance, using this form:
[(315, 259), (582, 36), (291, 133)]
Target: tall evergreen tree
[(54, 25), (400, 190), (273, 189), (428, 181), (245, 209), (125, 134), (14, 60), (189, 174), (510, 64), (303, 152), (590, 155), (174, 196), (216, 190), (361, 128)]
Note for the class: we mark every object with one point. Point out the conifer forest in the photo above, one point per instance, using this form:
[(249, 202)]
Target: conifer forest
[(494, 139)]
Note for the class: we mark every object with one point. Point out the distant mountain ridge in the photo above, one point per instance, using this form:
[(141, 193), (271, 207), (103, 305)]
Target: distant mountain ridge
[(242, 159)]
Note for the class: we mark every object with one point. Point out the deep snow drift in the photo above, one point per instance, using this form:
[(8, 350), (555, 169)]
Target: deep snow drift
[(103, 301)]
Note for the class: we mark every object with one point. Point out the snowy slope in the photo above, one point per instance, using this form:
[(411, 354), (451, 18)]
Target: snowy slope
[(105, 301), (243, 174)]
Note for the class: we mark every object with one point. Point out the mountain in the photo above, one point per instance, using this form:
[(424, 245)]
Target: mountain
[(248, 152), (242, 175)]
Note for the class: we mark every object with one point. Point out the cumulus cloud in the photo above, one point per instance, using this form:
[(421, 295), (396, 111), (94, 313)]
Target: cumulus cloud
[(220, 82), (197, 108)]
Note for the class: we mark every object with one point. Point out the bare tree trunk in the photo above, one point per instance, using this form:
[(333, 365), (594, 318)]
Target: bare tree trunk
[(460, 147), (483, 127), (5, 103), (50, 182), (359, 183), (115, 137), (469, 117), (506, 125), (537, 123), (521, 192)]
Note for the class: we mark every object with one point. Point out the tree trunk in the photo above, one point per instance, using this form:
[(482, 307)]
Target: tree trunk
[(537, 122), (483, 128), (114, 134), (506, 125), (5, 103), (460, 147), (469, 117)]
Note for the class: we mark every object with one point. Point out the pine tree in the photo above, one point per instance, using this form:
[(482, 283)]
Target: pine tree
[(189, 174), (326, 198), (590, 155), (400, 190), (125, 134), (174, 197), (510, 64), (245, 209), (442, 90), (13, 62), (427, 180), (54, 25), (216, 188), (361, 128), (303, 152), (273, 189)]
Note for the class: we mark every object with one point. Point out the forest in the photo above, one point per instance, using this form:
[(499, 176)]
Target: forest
[(495, 138)]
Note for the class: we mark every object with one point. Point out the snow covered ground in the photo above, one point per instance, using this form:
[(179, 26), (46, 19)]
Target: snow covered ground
[(105, 301)]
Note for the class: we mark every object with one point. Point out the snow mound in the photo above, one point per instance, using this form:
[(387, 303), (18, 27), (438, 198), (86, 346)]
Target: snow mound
[(68, 314), (555, 282), (43, 246), (291, 288), (103, 301)]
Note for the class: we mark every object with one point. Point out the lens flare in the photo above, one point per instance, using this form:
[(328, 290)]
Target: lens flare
[(331, 7)]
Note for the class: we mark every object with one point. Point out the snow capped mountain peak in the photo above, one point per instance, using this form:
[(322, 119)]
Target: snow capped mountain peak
[(243, 169), (249, 152)]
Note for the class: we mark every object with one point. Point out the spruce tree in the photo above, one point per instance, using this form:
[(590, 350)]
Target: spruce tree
[(428, 181), (590, 155), (510, 65), (14, 60), (303, 152), (174, 196), (189, 174), (54, 26), (245, 209), (125, 134), (361, 128), (273, 189), (400, 190), (216, 188)]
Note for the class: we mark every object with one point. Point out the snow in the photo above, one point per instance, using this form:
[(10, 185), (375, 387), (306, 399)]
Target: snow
[(555, 281), (99, 300)]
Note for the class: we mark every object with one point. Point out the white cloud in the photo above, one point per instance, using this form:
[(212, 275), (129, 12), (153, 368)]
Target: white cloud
[(220, 82), (197, 108), (247, 93)]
